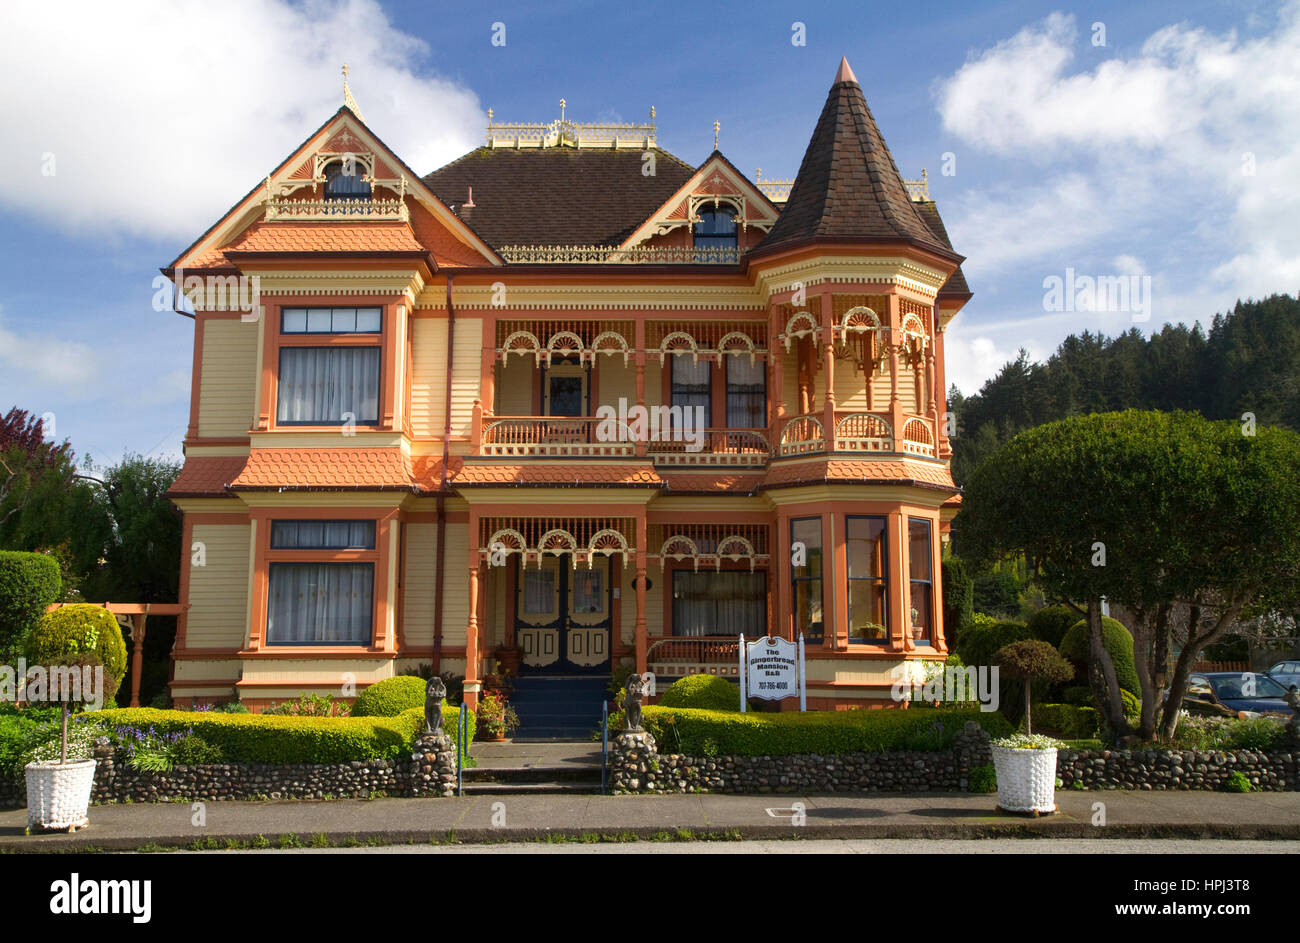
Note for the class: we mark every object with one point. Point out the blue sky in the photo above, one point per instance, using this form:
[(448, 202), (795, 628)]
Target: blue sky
[(1170, 152)]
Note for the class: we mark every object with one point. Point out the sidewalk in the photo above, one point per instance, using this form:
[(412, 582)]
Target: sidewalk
[(592, 818)]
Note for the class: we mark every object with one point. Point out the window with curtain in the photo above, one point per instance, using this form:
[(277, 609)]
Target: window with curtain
[(725, 602), (692, 390), (717, 226), (921, 578), (322, 535), (807, 579), (320, 604), (868, 579), (746, 393), (328, 386), (340, 185), (539, 590)]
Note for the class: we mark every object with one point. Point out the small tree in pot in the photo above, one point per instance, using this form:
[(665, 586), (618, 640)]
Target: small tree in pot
[(1032, 661)]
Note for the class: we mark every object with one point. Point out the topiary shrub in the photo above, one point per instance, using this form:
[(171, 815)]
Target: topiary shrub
[(1067, 721), (702, 692), (983, 637), (1118, 642), (1051, 624), (72, 631), (1029, 661), (390, 697), (29, 582)]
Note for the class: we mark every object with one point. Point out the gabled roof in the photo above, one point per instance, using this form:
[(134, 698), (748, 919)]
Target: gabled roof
[(848, 186), (244, 219), (558, 196), (716, 176)]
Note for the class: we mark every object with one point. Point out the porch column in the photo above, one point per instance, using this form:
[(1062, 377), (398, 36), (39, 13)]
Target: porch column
[(137, 653), (489, 374), (828, 340), (896, 417), (776, 414), (639, 357), (641, 631), (472, 680)]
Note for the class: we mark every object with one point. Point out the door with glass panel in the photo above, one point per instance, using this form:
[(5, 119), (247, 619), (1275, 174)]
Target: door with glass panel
[(563, 616)]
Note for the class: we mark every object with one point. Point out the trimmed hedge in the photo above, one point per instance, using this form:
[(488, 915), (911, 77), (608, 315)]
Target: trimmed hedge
[(1051, 624), (267, 738), (703, 692), (1117, 640), (390, 697), (958, 598), (1066, 721), (29, 582), (80, 628), (724, 733), (981, 640)]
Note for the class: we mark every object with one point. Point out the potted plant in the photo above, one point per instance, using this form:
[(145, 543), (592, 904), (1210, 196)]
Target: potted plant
[(495, 717), (58, 790), (1026, 763), (509, 657)]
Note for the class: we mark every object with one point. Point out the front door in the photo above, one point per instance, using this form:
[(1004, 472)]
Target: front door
[(563, 616)]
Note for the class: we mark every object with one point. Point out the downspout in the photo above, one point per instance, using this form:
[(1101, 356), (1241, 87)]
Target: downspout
[(440, 569)]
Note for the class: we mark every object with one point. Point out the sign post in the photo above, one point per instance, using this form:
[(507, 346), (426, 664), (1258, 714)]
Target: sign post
[(744, 670)]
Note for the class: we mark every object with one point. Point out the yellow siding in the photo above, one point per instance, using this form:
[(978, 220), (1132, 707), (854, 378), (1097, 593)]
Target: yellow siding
[(218, 612), (228, 377), (418, 584), (428, 377), (617, 381), (455, 613), (790, 383), (465, 374), (850, 386), (654, 383), (518, 377)]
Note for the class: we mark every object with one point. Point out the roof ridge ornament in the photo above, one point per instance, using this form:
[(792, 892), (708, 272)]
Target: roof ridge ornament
[(565, 133), (348, 100)]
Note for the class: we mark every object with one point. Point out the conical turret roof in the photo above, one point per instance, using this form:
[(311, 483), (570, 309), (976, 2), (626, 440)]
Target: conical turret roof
[(848, 186)]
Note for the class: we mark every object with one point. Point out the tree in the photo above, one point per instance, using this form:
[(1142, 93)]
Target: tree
[(1031, 661), (1149, 510)]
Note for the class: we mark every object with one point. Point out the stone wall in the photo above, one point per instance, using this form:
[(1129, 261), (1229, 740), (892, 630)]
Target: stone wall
[(636, 766), (431, 771)]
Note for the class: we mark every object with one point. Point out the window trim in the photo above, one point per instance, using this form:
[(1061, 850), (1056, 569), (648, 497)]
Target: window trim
[(928, 638), (820, 578), (714, 212), (278, 340), (883, 579)]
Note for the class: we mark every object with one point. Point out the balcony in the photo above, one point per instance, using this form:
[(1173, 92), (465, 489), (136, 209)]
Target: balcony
[(614, 255), (588, 437), (679, 656), (280, 209)]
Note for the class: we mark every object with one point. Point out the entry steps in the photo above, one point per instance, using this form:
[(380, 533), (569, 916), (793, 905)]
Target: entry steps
[(558, 708)]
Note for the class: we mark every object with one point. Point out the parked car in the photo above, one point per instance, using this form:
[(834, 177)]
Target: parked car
[(1287, 674), (1238, 691)]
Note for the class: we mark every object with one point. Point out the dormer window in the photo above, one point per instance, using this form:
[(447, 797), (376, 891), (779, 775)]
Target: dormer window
[(340, 185), (716, 228)]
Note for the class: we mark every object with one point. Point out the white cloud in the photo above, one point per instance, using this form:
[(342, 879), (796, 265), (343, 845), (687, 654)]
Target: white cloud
[(161, 114), (972, 356), (30, 360), (1193, 141)]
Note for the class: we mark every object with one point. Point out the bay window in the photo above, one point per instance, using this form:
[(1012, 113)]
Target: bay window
[(809, 617), (325, 382), (868, 576), (921, 578), (321, 583)]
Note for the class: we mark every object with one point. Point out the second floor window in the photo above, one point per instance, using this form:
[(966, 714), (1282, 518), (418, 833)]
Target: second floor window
[(322, 382), (340, 185), (746, 393), (691, 390)]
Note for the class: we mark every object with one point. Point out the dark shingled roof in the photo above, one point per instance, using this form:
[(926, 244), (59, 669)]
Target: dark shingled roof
[(557, 195), (956, 282), (848, 185)]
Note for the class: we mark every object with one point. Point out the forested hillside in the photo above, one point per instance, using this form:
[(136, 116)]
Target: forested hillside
[(1248, 362)]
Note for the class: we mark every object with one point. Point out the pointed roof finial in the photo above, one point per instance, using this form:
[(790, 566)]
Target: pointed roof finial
[(717, 126), (652, 113), (562, 104), (348, 100), (845, 73)]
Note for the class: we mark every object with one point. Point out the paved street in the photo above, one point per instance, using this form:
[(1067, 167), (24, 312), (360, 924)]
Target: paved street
[(948, 816)]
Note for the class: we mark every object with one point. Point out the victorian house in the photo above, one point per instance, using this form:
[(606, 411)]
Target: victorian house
[(568, 399)]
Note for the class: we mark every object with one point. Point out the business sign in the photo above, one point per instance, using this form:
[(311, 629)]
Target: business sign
[(772, 669)]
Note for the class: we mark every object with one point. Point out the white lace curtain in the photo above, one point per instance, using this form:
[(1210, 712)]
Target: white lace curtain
[(719, 603), (320, 603), (324, 384)]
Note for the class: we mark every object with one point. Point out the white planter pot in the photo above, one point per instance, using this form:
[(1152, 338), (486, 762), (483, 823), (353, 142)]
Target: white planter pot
[(1026, 779), (58, 795)]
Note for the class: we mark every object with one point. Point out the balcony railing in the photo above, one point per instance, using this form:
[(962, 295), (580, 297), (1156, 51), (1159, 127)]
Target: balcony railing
[(586, 437), (613, 255), (337, 210), (678, 656)]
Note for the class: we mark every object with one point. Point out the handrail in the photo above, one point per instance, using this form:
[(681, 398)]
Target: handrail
[(604, 745), (703, 649), (462, 733)]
